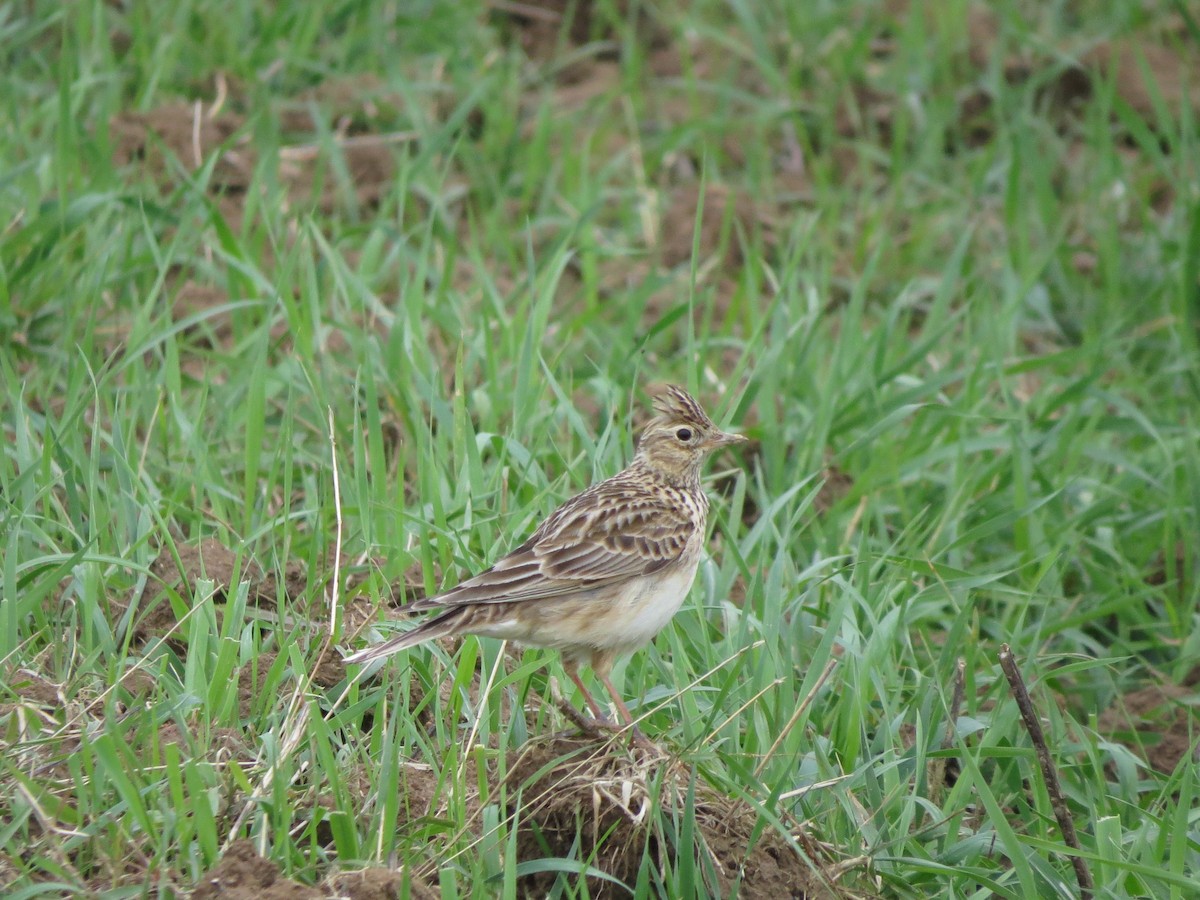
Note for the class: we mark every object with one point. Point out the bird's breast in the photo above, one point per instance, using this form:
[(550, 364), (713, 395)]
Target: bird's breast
[(646, 607)]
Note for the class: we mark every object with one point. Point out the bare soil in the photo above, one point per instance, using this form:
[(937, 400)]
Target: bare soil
[(242, 874), (181, 571), (1158, 720)]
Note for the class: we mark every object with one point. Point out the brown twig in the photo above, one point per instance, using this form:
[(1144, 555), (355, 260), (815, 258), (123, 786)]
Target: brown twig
[(304, 152), (590, 727), (1062, 813)]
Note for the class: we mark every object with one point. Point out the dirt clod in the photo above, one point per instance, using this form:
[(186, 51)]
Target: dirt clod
[(212, 561), (380, 884), (31, 688), (201, 303), (1130, 61), (836, 484), (244, 875), (543, 28), (1159, 719), (679, 224), (181, 131), (601, 796), (209, 559)]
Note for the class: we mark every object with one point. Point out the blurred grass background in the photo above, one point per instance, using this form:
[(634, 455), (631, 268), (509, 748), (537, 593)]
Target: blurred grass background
[(940, 261)]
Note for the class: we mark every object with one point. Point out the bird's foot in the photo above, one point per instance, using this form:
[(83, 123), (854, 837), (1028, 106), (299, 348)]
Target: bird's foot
[(606, 728), (600, 726), (592, 727), (638, 739)]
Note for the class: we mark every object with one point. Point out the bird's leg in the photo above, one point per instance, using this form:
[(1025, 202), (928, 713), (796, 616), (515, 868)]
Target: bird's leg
[(623, 712), (571, 667), (602, 666)]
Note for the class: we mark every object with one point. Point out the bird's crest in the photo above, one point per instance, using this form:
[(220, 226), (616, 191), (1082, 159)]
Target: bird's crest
[(673, 402)]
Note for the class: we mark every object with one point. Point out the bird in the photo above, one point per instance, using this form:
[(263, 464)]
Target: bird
[(604, 572)]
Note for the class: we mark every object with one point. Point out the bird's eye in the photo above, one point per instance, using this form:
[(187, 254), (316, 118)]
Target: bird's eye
[(684, 434)]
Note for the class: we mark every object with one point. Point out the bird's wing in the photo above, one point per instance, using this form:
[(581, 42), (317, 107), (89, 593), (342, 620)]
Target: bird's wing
[(614, 531)]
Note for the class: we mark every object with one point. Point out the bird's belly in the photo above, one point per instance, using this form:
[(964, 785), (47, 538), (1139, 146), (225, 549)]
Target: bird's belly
[(641, 614), (620, 618)]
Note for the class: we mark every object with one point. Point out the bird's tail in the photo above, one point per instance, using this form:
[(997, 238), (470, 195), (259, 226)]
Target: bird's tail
[(439, 626)]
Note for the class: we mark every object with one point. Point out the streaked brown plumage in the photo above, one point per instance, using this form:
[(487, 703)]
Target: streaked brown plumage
[(606, 570)]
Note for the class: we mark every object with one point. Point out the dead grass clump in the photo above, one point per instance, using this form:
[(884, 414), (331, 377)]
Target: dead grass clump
[(612, 807)]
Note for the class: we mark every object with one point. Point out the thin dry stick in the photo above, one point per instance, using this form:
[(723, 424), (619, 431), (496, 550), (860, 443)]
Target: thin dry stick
[(197, 150), (51, 829), (144, 661), (804, 704), (335, 599), (485, 689), (222, 94), (647, 211), (304, 152), (337, 549), (1062, 813), (588, 726), (855, 520), (741, 709), (295, 719)]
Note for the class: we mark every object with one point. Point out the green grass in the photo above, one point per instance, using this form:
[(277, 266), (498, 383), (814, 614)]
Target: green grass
[(990, 342)]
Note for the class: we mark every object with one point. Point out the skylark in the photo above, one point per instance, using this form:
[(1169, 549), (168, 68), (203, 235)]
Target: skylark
[(606, 570)]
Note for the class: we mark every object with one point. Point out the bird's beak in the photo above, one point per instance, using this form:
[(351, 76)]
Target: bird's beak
[(725, 439)]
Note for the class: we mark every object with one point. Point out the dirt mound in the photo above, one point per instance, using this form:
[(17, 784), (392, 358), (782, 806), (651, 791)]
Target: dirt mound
[(182, 568), (380, 884), (180, 131), (244, 875), (347, 172), (30, 688), (546, 28), (1157, 719), (576, 798)]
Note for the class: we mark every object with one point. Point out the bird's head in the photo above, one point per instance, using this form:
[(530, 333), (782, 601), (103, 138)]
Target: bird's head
[(676, 441)]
